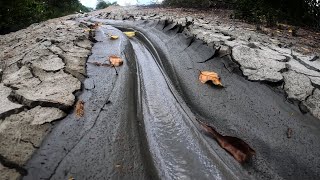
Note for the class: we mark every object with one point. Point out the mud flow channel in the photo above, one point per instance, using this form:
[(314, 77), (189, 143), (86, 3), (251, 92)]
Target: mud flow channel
[(140, 122)]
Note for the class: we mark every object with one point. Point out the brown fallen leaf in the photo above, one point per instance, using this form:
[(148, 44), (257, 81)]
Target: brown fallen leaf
[(130, 34), (239, 149), (114, 37), (70, 178), (80, 108), (206, 76), (115, 61)]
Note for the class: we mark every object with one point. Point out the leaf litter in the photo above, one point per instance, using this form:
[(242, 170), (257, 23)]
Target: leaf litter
[(130, 34), (79, 109), (239, 149), (115, 60), (206, 76)]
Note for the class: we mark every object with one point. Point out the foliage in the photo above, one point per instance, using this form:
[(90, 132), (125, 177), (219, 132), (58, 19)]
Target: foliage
[(198, 3), (296, 12), (103, 4), (17, 14), (187, 3)]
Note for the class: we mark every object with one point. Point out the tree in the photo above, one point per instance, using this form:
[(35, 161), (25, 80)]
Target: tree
[(17, 14), (296, 12), (102, 4)]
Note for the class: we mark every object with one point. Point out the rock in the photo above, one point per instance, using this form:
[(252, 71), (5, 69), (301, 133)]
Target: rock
[(284, 51), (56, 89), (75, 63), (46, 114), (49, 63), (313, 103), (307, 61), (209, 36), (78, 51), (55, 49), (18, 138), (34, 72), (181, 21), (21, 79), (234, 43), (262, 74), (224, 50), (315, 81), (76, 56), (6, 106), (267, 52), (8, 174), (297, 86), (300, 68), (189, 19), (84, 44), (256, 64), (9, 70)]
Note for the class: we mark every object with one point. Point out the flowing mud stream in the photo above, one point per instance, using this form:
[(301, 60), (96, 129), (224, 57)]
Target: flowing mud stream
[(141, 123)]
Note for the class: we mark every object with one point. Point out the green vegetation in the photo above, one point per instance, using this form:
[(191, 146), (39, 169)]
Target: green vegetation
[(103, 4), (18, 14), (270, 12)]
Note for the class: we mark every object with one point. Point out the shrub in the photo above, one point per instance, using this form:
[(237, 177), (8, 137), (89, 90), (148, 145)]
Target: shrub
[(296, 12), (18, 14)]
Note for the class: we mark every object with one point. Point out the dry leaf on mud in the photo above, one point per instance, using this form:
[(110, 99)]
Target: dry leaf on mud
[(112, 37), (115, 61), (80, 108), (70, 178), (239, 149), (130, 34), (206, 76)]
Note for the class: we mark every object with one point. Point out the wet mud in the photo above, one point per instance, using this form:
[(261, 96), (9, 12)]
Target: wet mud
[(141, 123)]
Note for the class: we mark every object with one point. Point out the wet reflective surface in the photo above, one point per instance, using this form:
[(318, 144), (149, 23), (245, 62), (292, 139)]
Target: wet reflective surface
[(174, 141), (141, 124)]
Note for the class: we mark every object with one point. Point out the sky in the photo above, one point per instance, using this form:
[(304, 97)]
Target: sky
[(92, 3)]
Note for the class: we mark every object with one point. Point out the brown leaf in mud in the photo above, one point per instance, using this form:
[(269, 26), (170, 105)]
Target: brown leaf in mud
[(115, 61), (112, 37), (80, 108), (239, 149), (206, 76), (130, 34)]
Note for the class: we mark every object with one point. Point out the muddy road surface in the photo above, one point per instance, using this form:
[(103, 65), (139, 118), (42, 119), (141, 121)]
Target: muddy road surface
[(140, 121)]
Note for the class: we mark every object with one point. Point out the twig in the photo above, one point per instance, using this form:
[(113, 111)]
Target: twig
[(115, 70)]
